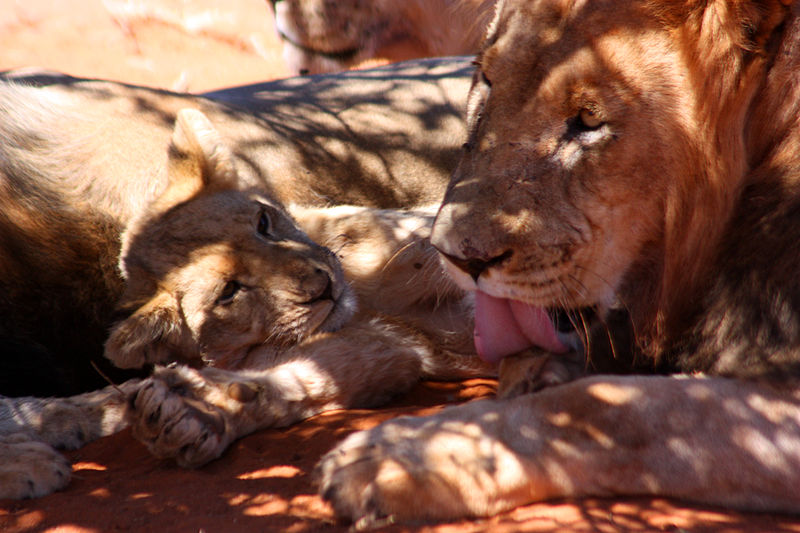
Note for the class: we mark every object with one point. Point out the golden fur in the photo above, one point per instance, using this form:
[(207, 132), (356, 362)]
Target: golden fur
[(191, 249), (83, 158), (636, 161), (320, 36), (226, 276)]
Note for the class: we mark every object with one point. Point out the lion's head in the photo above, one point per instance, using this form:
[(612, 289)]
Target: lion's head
[(330, 36), (212, 272), (608, 144)]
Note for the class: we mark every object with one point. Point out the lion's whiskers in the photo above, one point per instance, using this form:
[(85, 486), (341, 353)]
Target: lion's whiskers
[(603, 321)]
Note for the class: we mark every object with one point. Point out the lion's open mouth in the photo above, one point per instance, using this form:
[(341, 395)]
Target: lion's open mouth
[(504, 327)]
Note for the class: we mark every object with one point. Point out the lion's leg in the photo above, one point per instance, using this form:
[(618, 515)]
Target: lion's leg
[(714, 441), (30, 467), (67, 423), (32, 428), (193, 415)]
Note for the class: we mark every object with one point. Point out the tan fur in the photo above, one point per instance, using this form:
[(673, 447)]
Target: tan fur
[(291, 328), (320, 36), (183, 229), (639, 158)]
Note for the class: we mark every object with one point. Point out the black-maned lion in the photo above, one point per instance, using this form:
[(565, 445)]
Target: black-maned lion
[(632, 171)]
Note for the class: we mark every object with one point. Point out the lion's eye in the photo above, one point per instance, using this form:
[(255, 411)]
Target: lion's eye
[(589, 119), (229, 291), (264, 224)]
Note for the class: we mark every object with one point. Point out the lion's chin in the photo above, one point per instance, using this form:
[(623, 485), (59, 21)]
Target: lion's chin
[(504, 327)]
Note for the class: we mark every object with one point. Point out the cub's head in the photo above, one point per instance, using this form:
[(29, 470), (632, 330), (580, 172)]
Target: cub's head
[(213, 272), (605, 153)]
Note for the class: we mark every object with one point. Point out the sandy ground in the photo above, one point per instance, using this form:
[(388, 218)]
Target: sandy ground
[(263, 483), (192, 45)]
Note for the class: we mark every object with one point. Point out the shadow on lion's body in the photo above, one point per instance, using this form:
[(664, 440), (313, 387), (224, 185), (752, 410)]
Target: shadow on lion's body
[(76, 173), (638, 157)]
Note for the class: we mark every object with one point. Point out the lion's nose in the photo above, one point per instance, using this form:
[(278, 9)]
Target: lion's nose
[(475, 266)]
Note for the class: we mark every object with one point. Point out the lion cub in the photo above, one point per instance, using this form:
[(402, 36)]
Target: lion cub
[(266, 315)]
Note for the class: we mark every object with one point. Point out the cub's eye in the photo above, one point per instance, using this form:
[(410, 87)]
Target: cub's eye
[(264, 224), (228, 292), (589, 119)]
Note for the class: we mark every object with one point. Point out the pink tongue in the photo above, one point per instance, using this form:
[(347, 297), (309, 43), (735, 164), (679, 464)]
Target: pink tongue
[(503, 327)]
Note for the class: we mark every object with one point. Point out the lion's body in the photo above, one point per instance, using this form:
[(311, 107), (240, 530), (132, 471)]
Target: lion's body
[(100, 157), (635, 158), (133, 236), (320, 36)]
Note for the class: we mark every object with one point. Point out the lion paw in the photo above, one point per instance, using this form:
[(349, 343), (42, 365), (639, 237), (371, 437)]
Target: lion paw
[(404, 469), (170, 414), (30, 468), (531, 372)]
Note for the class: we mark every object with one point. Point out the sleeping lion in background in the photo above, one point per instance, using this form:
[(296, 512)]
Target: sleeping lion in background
[(324, 36), (159, 228), (629, 190)]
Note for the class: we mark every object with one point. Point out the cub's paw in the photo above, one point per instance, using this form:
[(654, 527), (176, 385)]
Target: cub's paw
[(410, 468), (529, 371), (30, 468), (177, 413)]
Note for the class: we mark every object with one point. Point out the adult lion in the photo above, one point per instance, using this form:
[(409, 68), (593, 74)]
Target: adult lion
[(323, 36), (175, 238), (82, 157), (634, 159)]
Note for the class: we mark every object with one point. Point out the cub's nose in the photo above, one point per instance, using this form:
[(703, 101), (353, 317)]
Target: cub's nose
[(319, 287)]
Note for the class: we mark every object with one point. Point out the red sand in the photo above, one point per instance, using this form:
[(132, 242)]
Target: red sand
[(263, 482)]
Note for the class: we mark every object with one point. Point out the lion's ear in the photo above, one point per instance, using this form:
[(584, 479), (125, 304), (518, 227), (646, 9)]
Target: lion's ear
[(154, 333), (197, 159)]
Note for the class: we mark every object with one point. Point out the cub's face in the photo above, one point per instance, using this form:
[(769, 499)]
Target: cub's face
[(240, 274), (213, 272)]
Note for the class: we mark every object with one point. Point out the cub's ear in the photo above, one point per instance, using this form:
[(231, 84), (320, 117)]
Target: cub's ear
[(154, 333), (197, 159)]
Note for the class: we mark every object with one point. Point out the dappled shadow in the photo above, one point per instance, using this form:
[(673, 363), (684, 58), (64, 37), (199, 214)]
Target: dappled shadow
[(710, 441), (264, 483), (385, 137)]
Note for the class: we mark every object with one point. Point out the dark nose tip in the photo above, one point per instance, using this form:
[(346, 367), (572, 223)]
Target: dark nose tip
[(476, 266)]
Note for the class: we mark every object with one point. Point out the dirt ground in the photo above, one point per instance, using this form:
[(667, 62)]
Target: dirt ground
[(263, 483)]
